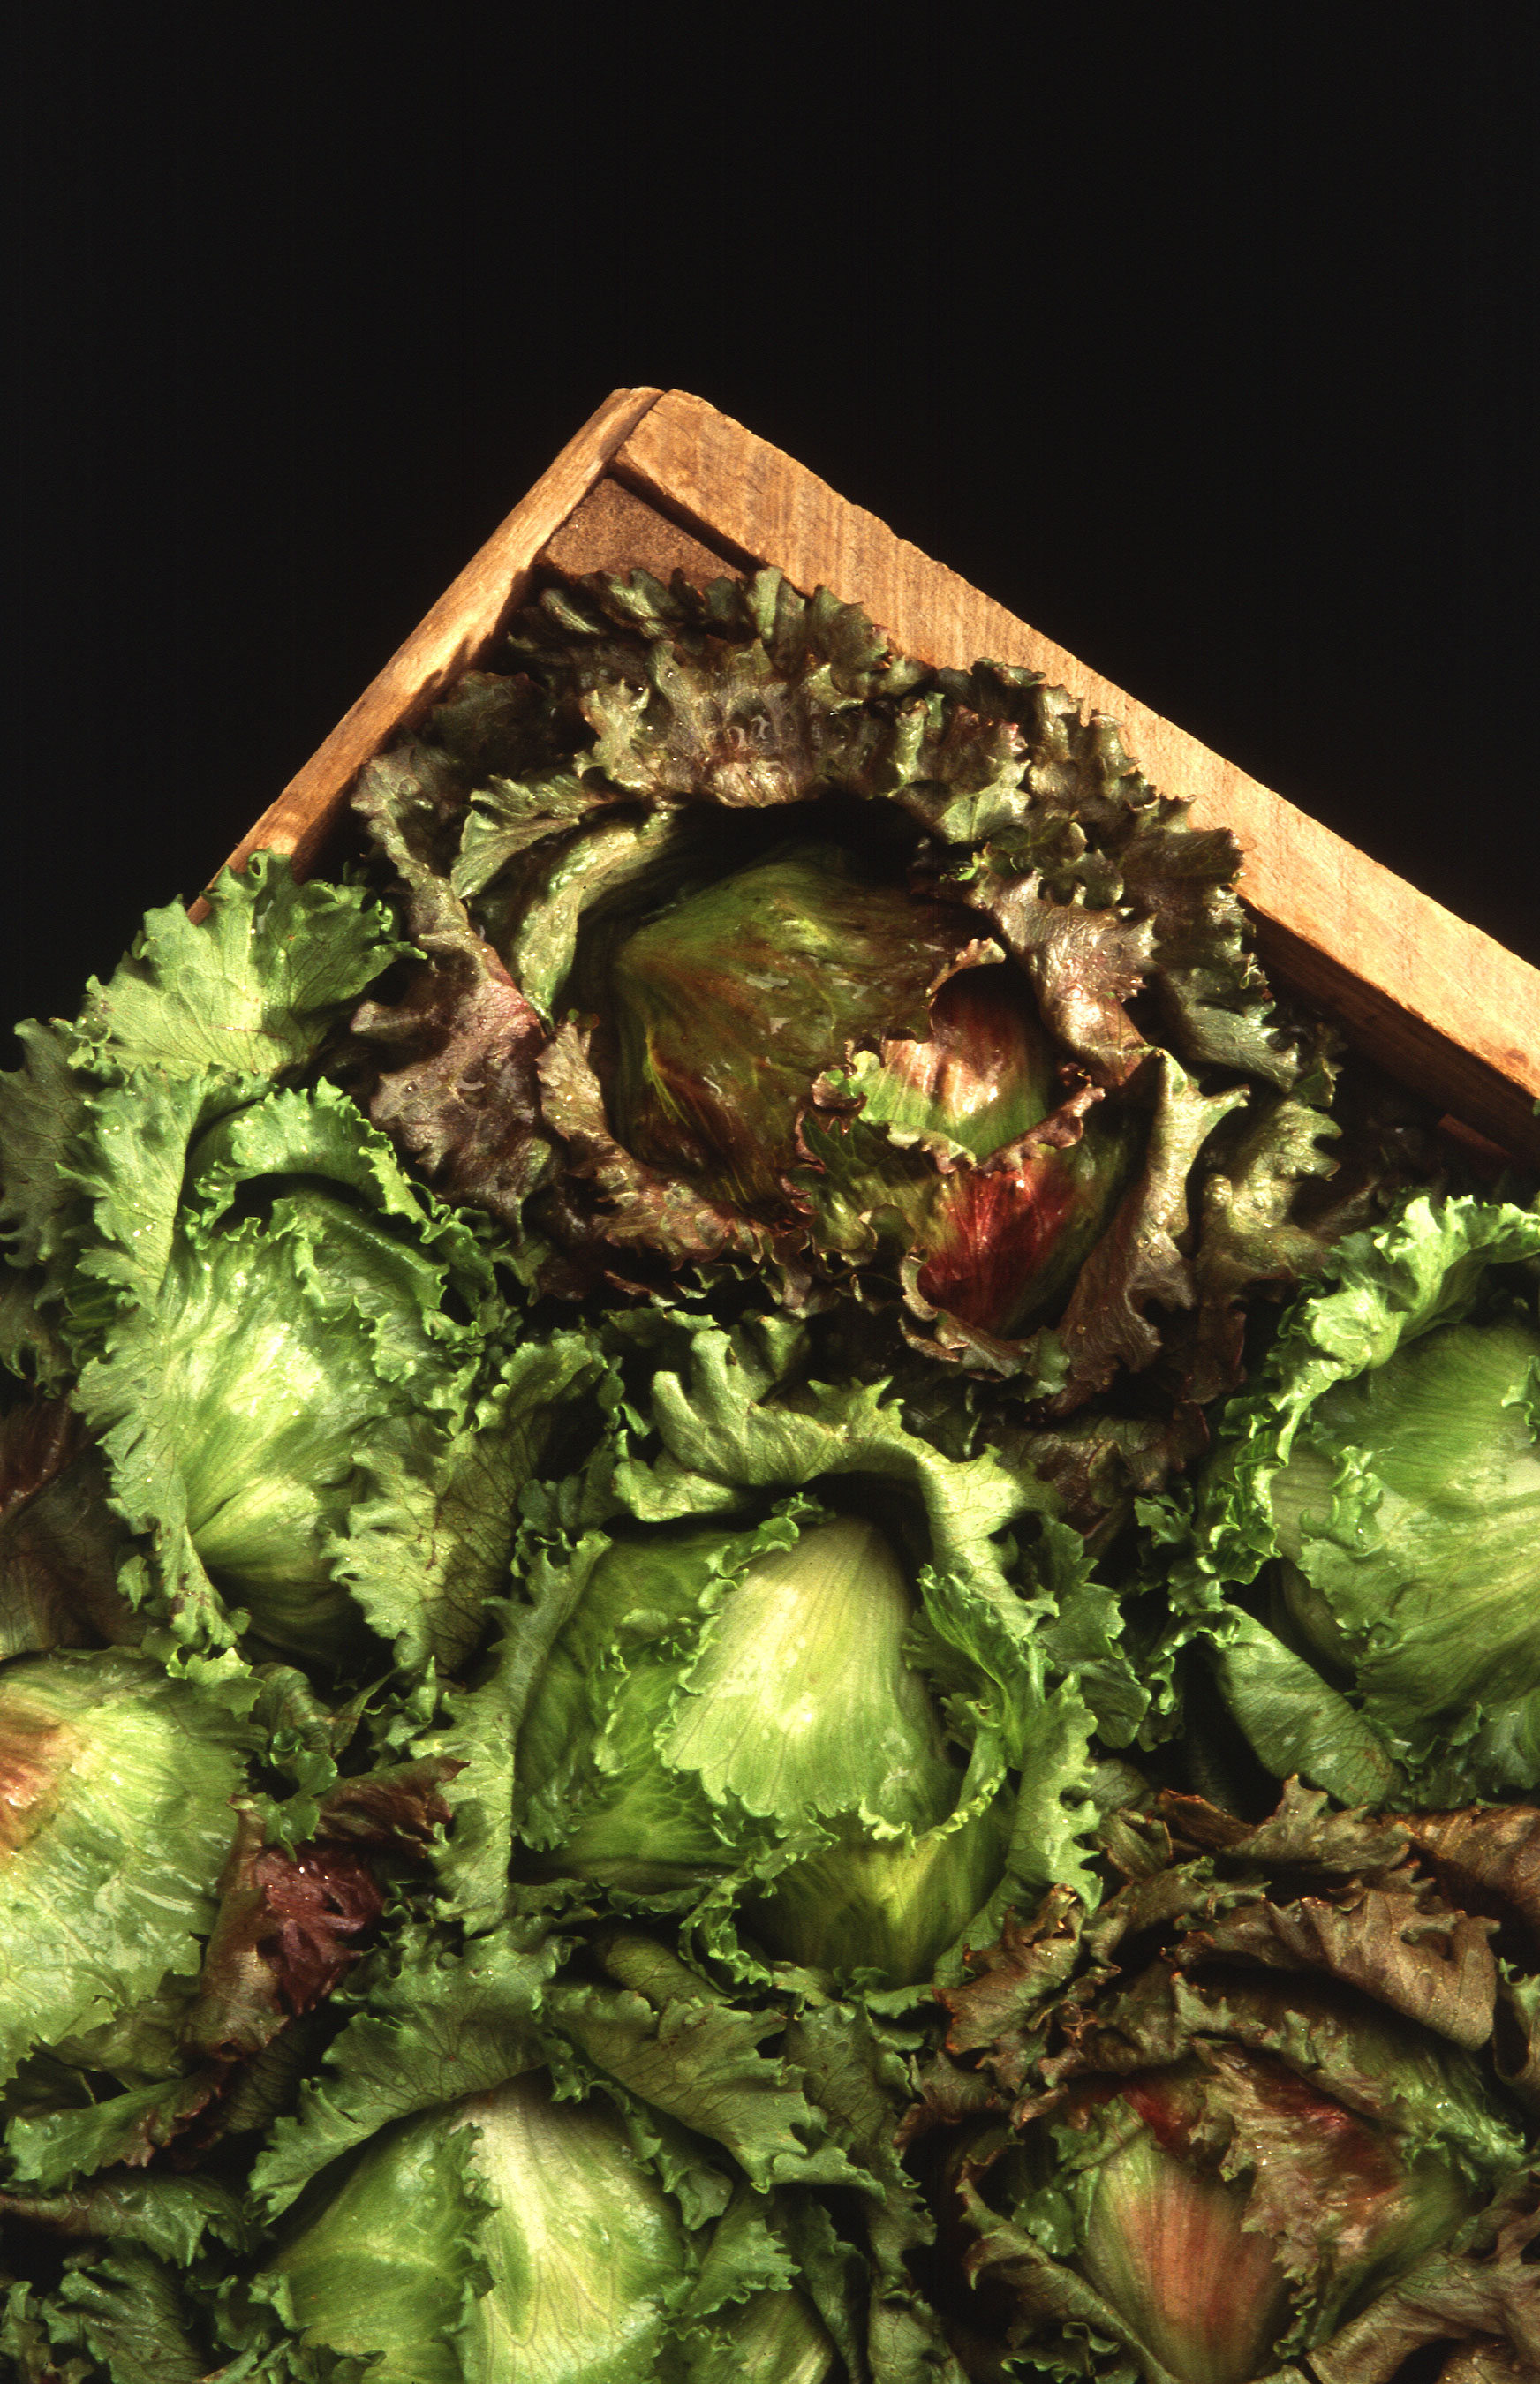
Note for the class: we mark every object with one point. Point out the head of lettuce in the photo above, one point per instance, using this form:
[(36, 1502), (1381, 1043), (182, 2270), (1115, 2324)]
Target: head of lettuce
[(805, 1682), (314, 1397), (310, 1384), (1367, 1536), (750, 943)]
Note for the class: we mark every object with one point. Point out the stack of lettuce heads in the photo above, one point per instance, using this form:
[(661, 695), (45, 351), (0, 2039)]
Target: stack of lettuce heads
[(769, 1598)]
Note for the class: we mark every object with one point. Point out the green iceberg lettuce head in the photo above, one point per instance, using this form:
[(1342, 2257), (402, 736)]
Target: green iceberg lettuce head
[(307, 1381), (513, 2234), (115, 1824), (310, 1387), (798, 1679), (719, 1694), (1381, 1486)]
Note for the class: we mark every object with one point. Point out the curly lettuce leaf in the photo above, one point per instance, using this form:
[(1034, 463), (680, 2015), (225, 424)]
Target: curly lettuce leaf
[(599, 832), (253, 988), (429, 2025)]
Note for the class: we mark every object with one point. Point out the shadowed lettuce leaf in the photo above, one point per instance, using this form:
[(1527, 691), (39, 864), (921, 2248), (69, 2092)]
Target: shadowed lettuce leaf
[(1380, 1482), (746, 939), (59, 1542)]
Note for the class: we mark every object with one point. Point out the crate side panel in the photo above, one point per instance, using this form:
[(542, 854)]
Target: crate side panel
[(611, 529)]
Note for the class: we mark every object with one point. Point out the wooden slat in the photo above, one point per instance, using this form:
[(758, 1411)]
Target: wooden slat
[(455, 634), (609, 529), (1439, 1003)]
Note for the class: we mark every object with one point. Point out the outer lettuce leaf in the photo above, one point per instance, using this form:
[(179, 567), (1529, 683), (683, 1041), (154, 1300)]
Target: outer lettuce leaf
[(776, 2337), (119, 1824), (857, 2071), (387, 2270), (252, 991), (42, 1110), (172, 2217), (126, 2310), (456, 1084), (253, 988), (680, 2046), (425, 1552), (429, 2025), (59, 1542), (480, 1733), (53, 2150)]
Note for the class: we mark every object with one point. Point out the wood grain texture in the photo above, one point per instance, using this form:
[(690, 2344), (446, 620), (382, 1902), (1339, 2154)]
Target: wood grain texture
[(609, 529), (1440, 1005), (451, 637)]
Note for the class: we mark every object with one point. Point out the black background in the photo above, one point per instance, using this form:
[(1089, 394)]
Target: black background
[(1200, 337)]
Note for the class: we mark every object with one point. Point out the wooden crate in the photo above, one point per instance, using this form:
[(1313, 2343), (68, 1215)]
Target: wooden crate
[(660, 480)]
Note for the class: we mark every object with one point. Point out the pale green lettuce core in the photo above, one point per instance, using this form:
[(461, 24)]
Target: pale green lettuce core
[(801, 1700), (582, 2244), (700, 1711)]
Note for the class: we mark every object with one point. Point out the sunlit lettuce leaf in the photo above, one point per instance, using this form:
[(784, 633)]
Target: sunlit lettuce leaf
[(1380, 1482), (255, 989)]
